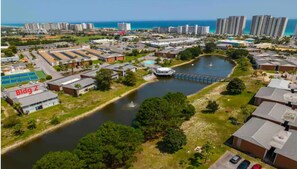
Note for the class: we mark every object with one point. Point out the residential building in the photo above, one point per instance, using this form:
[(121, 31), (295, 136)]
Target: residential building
[(277, 113), (57, 84), (275, 95), (124, 26), (233, 25), (266, 25), (221, 26), (268, 141), (280, 84), (80, 87), (31, 98)]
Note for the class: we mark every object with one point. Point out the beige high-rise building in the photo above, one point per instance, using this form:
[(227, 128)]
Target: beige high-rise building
[(266, 25), (233, 25)]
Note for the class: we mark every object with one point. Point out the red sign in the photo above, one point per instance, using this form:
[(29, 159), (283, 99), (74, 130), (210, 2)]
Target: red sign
[(28, 90)]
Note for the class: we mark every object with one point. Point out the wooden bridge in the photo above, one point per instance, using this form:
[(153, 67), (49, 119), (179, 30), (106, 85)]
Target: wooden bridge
[(201, 78)]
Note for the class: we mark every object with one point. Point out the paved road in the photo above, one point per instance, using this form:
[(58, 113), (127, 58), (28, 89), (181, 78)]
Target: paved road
[(223, 162), (46, 67)]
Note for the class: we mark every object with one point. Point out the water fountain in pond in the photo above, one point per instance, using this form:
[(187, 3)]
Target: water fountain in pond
[(131, 104), (210, 65)]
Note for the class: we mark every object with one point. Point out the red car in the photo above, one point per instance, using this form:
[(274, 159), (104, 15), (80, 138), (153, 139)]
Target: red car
[(257, 166)]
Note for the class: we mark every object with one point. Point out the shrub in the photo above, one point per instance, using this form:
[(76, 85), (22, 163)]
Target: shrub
[(17, 129), (55, 120), (10, 121), (212, 106), (31, 124)]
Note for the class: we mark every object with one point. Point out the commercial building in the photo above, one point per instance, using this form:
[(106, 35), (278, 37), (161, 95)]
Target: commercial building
[(268, 141), (235, 43), (93, 73), (266, 25), (172, 42), (108, 57), (124, 26), (31, 98), (233, 25)]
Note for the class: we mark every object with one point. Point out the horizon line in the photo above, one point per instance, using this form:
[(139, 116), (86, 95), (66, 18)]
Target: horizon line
[(121, 21)]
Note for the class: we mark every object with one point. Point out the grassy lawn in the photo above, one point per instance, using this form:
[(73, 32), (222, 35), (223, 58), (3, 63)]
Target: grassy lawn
[(131, 58), (70, 107), (40, 74), (206, 127), (86, 39)]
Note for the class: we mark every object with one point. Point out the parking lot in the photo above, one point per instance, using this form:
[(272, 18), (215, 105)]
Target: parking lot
[(223, 162)]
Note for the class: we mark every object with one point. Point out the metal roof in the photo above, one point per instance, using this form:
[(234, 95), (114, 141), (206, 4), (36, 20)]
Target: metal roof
[(32, 99), (83, 83), (62, 80), (275, 112), (290, 148), (259, 132), (280, 84), (273, 94)]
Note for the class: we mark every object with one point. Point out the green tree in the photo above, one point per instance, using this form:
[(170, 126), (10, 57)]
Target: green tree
[(210, 47), (151, 117), (103, 79), (112, 146), (173, 140), (212, 106), (60, 159), (207, 150), (31, 124), (48, 77), (134, 52), (17, 106), (185, 55), (235, 86), (237, 53), (196, 51), (130, 79), (8, 52)]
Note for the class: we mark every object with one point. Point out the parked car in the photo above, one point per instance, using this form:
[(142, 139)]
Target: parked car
[(257, 166), (244, 164), (235, 159)]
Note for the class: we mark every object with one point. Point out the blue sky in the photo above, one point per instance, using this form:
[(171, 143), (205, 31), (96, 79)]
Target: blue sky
[(20, 11)]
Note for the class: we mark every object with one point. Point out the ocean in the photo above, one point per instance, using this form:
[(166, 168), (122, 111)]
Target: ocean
[(150, 24)]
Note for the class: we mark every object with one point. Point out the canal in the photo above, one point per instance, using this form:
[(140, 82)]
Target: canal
[(120, 112)]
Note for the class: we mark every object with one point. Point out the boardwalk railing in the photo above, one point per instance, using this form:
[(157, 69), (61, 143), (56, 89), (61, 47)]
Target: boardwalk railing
[(201, 78)]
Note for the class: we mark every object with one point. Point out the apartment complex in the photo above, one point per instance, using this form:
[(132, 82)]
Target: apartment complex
[(192, 30), (266, 25), (233, 25), (31, 98), (58, 26), (124, 26)]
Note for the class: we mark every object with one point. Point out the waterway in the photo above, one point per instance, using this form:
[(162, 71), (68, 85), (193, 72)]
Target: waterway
[(120, 112)]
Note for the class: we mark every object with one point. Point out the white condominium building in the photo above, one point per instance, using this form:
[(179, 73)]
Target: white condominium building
[(124, 26), (233, 25), (266, 25)]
